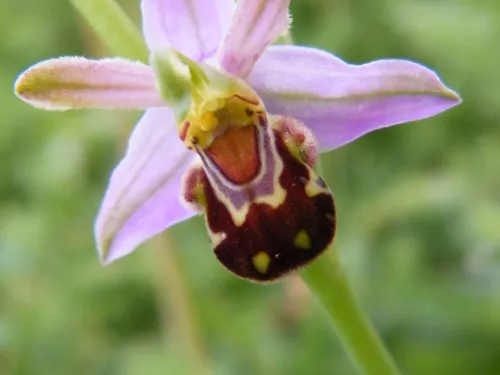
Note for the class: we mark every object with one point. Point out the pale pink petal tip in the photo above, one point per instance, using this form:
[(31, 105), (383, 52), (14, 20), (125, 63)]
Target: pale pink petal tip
[(194, 28), (256, 24), (77, 82)]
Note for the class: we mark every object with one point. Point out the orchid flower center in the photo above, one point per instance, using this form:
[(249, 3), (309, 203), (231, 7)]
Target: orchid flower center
[(212, 113)]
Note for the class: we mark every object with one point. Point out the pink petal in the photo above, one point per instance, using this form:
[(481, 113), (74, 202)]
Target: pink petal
[(194, 28), (341, 102), (76, 82), (143, 196), (256, 24)]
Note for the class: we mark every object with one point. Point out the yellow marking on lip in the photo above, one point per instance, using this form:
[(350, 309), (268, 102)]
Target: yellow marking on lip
[(302, 240), (216, 238), (261, 262), (313, 188)]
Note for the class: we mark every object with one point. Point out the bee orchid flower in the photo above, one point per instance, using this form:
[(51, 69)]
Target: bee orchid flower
[(232, 127)]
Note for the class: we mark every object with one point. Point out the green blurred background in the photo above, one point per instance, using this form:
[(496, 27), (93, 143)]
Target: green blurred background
[(418, 212)]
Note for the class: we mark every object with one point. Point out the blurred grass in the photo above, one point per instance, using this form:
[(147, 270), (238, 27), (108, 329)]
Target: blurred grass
[(418, 208)]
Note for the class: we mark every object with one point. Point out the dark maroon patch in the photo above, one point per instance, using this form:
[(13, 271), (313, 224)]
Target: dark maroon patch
[(273, 230)]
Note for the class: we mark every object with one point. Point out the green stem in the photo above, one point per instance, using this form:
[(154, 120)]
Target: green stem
[(120, 35), (327, 281)]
